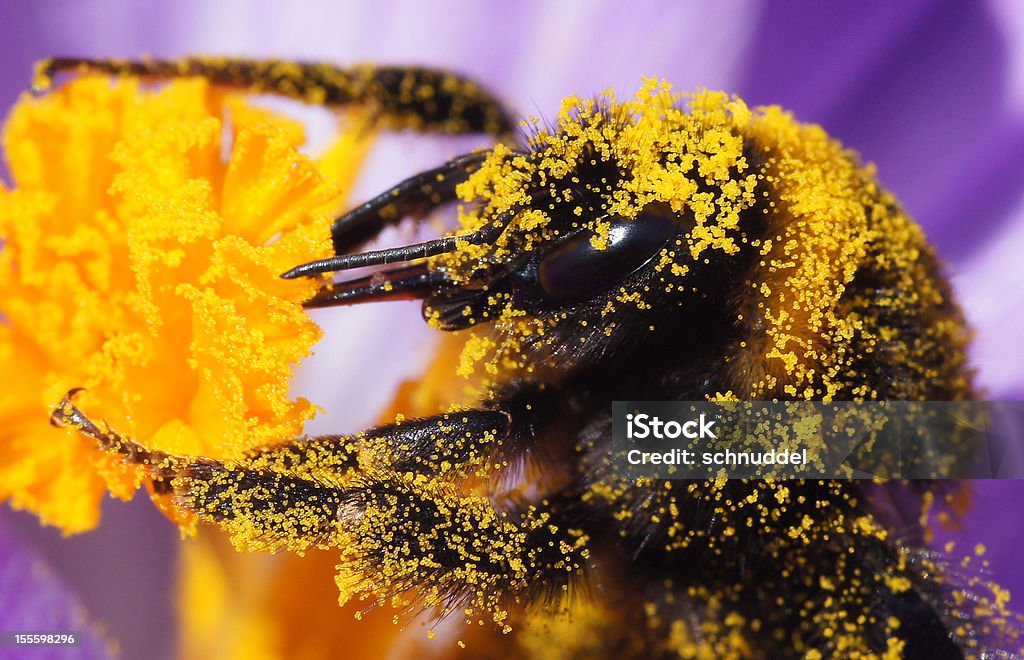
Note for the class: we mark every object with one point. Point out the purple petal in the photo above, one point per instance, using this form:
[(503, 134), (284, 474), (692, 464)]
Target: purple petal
[(34, 599), (991, 287), (123, 571), (994, 522), (919, 88)]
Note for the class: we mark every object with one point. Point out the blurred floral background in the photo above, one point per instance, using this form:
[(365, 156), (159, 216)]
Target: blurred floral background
[(931, 91)]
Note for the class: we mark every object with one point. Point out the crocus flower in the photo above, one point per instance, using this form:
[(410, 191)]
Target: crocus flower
[(928, 91)]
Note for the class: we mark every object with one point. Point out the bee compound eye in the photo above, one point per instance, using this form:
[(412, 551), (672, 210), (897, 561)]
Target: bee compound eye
[(576, 269)]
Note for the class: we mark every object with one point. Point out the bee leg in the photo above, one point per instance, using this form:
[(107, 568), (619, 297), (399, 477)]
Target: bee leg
[(388, 499), (426, 541), (266, 502), (289, 494), (413, 98), (409, 523), (437, 445), (441, 444), (415, 197), (447, 444)]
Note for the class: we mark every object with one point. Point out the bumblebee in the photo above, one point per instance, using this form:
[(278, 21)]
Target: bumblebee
[(663, 247)]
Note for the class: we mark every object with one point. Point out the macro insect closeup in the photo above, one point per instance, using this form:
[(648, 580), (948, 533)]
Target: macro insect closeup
[(662, 247)]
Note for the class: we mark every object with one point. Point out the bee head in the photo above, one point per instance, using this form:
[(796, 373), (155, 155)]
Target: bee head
[(613, 189), (615, 209), (609, 222)]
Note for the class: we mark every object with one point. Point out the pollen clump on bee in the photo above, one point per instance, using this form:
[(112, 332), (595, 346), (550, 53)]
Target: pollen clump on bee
[(142, 241)]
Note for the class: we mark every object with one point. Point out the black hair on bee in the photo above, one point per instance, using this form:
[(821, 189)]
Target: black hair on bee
[(665, 247)]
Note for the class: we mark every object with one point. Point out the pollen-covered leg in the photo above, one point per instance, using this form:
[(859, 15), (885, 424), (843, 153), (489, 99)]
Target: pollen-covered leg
[(289, 495), (261, 501), (454, 442), (261, 509), (401, 97), (389, 498), (67, 414), (418, 542), (442, 445), (413, 197)]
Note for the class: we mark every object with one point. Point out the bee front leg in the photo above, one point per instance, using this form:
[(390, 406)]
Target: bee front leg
[(269, 501), (289, 494), (394, 97), (449, 444), (391, 499)]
